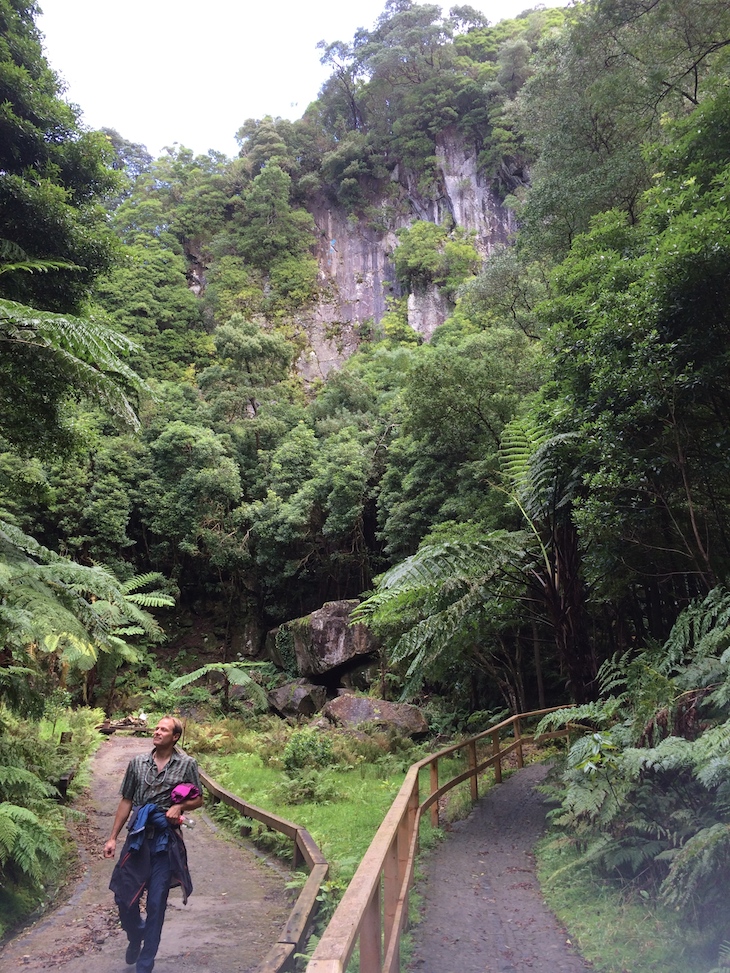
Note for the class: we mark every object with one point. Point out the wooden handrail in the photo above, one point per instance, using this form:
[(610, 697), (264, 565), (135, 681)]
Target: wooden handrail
[(291, 939), (374, 908)]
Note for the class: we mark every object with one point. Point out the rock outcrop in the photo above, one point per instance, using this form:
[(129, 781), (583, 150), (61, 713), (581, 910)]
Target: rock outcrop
[(298, 698), (350, 711), (357, 275), (323, 641)]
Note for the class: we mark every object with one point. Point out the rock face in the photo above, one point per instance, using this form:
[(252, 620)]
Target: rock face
[(355, 259), (349, 710), (325, 640), (298, 698)]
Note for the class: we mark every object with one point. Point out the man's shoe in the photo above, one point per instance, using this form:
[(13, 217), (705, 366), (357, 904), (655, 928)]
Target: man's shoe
[(133, 951)]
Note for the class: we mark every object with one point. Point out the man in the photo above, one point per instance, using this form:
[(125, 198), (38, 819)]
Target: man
[(153, 856)]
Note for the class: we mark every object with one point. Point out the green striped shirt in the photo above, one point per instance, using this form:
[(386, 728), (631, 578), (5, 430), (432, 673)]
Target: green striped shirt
[(143, 784)]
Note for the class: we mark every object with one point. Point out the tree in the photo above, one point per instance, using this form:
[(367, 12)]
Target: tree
[(46, 359), (639, 330), (53, 175), (54, 179), (428, 254)]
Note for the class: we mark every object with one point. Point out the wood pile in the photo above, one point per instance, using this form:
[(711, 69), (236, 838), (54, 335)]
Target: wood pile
[(134, 723)]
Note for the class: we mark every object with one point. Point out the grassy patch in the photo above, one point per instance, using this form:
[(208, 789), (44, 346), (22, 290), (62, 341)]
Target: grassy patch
[(617, 932), (342, 826)]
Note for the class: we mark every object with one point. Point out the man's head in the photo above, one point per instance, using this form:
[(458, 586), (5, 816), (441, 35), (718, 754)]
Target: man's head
[(167, 732)]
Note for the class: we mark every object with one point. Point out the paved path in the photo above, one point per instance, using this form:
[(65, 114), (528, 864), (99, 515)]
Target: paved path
[(483, 912), (234, 915)]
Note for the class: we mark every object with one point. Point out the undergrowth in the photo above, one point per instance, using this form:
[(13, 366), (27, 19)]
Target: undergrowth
[(617, 931), (35, 850)]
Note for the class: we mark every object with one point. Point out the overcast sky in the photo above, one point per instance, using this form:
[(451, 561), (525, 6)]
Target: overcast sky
[(166, 71)]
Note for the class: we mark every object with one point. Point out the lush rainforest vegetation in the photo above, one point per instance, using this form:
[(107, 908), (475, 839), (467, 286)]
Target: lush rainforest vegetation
[(533, 507)]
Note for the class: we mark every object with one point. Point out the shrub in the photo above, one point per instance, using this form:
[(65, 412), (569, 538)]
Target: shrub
[(305, 748)]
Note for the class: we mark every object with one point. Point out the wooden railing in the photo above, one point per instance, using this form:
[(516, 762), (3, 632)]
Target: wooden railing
[(373, 911), (291, 940)]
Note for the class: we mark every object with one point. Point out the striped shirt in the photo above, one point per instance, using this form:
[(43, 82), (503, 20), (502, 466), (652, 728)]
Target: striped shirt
[(143, 784)]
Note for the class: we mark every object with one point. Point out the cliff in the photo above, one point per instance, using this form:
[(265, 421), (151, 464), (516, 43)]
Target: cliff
[(355, 258)]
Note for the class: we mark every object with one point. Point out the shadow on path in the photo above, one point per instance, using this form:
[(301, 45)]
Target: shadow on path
[(483, 911), (234, 915)]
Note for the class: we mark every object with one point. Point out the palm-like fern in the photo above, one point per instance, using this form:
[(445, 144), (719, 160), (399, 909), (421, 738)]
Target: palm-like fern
[(54, 605), (234, 674), (87, 352), (28, 844), (438, 594)]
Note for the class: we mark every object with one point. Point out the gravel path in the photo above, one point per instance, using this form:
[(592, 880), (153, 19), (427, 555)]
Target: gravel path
[(483, 911), (236, 912)]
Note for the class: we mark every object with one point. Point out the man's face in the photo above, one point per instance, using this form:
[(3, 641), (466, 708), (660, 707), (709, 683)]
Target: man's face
[(164, 735)]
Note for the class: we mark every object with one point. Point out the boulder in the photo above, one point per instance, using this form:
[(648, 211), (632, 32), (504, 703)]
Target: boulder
[(348, 710), (322, 641), (298, 698)]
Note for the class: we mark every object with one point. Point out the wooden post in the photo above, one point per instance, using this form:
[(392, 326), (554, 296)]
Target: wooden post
[(413, 801), (297, 856), (498, 761), (404, 846), (518, 738), (391, 887), (434, 770), (472, 757), (371, 958)]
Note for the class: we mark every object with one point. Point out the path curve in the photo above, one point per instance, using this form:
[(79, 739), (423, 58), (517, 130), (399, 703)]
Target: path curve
[(483, 911), (234, 915)]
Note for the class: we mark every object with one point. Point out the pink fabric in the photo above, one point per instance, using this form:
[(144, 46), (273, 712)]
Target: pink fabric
[(184, 792)]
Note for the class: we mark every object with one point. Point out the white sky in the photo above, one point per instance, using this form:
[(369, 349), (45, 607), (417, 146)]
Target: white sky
[(166, 71)]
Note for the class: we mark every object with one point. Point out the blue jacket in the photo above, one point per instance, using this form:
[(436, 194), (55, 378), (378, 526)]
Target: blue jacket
[(149, 833)]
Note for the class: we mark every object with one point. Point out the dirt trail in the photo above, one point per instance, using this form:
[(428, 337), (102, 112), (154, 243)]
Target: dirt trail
[(483, 911), (234, 915)]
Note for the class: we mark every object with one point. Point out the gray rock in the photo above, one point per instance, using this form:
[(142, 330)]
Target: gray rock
[(298, 698), (326, 640), (348, 710)]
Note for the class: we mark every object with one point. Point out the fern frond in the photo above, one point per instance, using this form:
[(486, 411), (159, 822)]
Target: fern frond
[(87, 351), (235, 672)]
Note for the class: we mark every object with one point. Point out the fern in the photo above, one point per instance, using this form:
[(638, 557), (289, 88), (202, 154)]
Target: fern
[(18, 784), (233, 672), (66, 609), (85, 350), (28, 845), (435, 598), (699, 870)]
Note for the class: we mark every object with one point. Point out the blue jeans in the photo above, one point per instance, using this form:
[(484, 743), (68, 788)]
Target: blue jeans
[(158, 888)]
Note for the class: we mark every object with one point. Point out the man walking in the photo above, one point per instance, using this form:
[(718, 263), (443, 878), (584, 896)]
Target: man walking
[(157, 788)]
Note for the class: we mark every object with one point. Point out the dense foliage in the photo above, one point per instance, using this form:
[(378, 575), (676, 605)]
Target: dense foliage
[(540, 488)]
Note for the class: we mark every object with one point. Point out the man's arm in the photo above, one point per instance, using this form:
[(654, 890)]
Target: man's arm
[(175, 812), (125, 806)]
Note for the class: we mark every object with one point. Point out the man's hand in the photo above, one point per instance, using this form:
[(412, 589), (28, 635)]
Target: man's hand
[(174, 813), (110, 848)]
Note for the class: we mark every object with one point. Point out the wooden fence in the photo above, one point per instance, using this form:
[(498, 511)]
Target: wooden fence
[(373, 912), (292, 937)]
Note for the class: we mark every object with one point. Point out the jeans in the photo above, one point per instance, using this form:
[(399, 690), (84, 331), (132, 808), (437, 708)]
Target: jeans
[(158, 888)]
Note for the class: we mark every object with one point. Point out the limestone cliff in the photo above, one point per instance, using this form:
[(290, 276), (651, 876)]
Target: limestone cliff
[(355, 258)]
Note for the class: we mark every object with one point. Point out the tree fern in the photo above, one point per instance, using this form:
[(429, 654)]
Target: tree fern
[(438, 594), (70, 610), (233, 673), (28, 844), (86, 351), (18, 784)]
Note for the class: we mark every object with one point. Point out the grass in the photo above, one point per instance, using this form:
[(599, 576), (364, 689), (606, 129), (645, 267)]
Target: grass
[(617, 932), (343, 828)]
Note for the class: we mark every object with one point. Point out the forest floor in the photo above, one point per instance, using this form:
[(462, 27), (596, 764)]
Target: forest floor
[(482, 910), (236, 912)]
